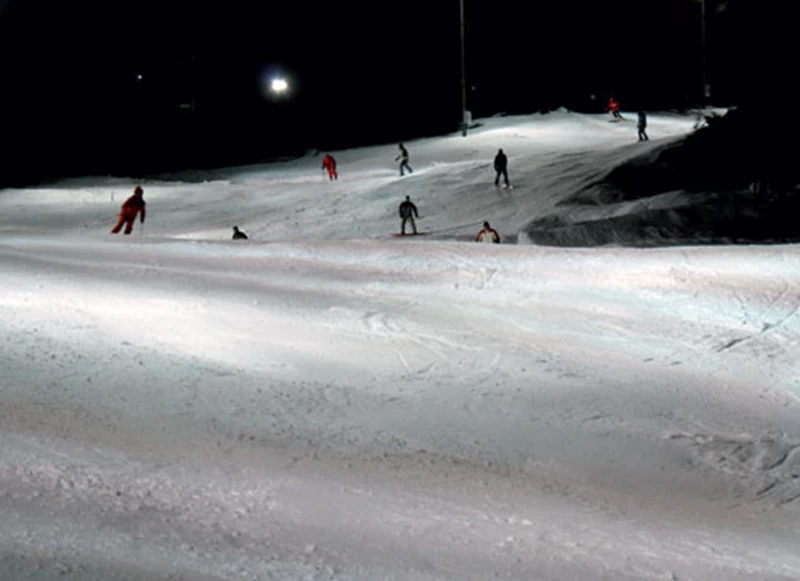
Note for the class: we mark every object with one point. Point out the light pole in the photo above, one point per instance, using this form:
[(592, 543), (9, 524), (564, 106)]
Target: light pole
[(703, 51), (463, 78)]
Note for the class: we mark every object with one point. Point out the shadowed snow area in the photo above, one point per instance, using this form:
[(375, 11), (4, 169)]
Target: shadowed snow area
[(326, 402)]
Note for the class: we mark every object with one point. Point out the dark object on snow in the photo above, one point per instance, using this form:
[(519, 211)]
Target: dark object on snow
[(501, 167), (403, 157), (130, 209), (641, 125), (238, 234), (736, 150), (408, 211), (488, 234)]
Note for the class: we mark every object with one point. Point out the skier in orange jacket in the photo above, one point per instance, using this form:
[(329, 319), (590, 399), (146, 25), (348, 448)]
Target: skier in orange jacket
[(130, 209), (329, 164), (613, 106)]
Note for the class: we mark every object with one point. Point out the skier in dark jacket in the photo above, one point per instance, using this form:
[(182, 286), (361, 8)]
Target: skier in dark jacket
[(403, 157), (501, 167), (408, 211), (238, 234), (641, 125), (132, 206)]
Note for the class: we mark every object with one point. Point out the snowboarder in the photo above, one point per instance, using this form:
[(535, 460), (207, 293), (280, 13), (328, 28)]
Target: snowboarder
[(130, 209), (500, 166), (238, 234), (488, 234), (641, 125), (613, 106), (403, 157), (329, 164), (408, 211)]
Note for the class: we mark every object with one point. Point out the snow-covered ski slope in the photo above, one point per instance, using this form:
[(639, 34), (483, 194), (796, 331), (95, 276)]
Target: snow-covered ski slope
[(327, 402), (550, 156)]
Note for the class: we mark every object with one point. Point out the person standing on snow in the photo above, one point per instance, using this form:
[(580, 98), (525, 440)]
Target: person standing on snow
[(613, 106), (329, 164), (238, 234), (488, 234), (641, 125), (501, 167), (130, 209), (408, 211), (403, 157)]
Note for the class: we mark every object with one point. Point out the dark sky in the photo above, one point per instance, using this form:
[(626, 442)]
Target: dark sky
[(360, 71)]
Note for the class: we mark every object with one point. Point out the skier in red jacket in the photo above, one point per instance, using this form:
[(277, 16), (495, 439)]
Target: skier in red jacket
[(488, 234), (613, 106), (130, 209), (329, 164)]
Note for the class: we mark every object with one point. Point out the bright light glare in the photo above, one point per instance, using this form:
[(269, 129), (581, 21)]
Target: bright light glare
[(279, 85)]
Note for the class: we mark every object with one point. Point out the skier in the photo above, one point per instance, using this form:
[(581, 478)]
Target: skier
[(641, 125), (613, 106), (500, 166), (408, 211), (488, 234), (238, 234), (130, 209), (329, 164), (403, 157)]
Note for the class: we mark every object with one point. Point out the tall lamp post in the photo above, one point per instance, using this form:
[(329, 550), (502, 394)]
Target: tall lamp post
[(703, 50), (463, 78)]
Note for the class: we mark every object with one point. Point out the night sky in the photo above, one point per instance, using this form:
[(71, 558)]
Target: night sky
[(361, 72)]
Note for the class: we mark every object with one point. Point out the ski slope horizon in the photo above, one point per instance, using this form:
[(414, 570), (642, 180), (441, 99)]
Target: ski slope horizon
[(549, 156), (326, 402)]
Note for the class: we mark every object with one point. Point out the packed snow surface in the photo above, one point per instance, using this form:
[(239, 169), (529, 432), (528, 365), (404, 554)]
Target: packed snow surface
[(326, 402)]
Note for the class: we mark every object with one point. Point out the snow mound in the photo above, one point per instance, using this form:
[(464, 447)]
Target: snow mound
[(695, 189), (672, 218), (767, 468)]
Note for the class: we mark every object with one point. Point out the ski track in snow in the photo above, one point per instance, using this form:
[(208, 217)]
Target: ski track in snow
[(325, 402)]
